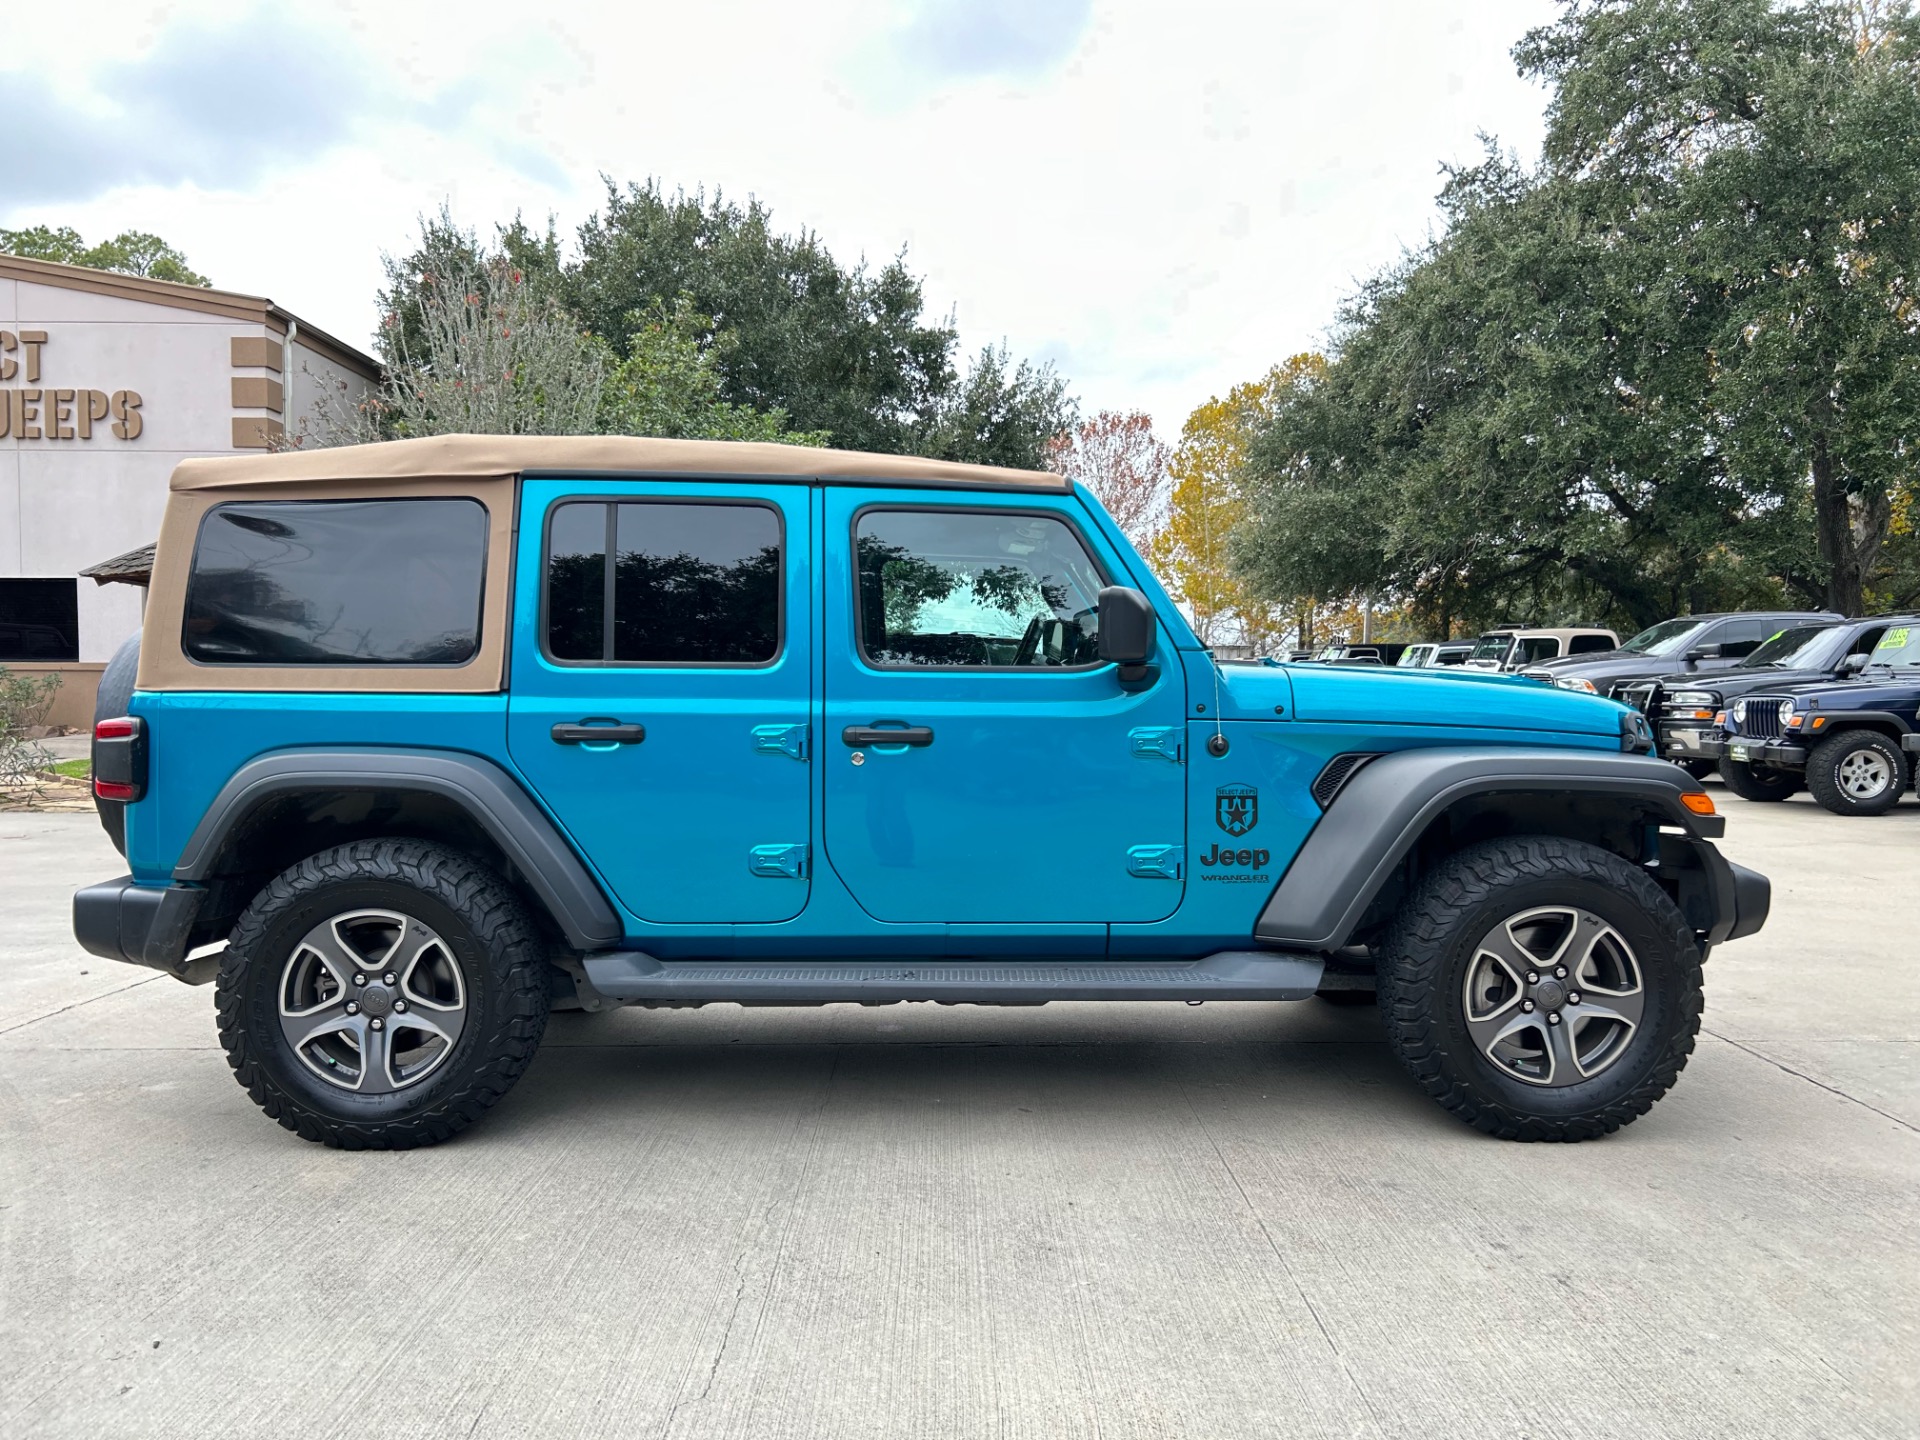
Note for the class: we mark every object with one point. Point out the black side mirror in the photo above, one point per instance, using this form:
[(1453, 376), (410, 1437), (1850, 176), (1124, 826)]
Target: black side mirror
[(1704, 652), (1127, 630)]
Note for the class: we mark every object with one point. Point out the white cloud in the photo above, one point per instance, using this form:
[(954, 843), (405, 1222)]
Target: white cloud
[(1165, 200)]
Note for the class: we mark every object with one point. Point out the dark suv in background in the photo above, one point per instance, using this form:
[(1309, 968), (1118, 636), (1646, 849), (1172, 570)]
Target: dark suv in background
[(1847, 739), (1688, 645), (1685, 712)]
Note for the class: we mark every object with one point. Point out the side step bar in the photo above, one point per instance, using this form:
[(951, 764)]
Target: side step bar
[(633, 975)]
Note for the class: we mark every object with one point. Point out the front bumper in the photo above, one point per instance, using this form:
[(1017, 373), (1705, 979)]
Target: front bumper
[(1911, 742), (1760, 752), (141, 925), (1688, 742)]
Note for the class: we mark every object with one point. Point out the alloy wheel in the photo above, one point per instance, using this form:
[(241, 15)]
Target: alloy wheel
[(372, 1001), (1553, 996), (1863, 774)]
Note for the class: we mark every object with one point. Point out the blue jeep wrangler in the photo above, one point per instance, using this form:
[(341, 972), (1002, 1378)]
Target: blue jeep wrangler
[(438, 735), (1847, 740)]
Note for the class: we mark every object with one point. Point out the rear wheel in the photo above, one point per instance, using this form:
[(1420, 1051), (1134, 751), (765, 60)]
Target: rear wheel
[(382, 995), (1754, 782), (1857, 772), (1541, 989)]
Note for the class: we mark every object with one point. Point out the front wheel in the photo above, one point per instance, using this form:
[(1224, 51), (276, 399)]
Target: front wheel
[(1755, 782), (1541, 989), (1857, 772), (382, 995)]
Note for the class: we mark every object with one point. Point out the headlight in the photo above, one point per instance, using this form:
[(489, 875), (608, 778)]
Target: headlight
[(1694, 699), (1786, 712), (1739, 712), (1584, 686)]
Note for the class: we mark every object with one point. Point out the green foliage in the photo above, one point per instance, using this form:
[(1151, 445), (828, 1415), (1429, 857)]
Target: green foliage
[(668, 385), (132, 252), (844, 355), (24, 702), (1676, 366)]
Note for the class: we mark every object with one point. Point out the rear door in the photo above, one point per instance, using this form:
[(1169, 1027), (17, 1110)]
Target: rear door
[(661, 703)]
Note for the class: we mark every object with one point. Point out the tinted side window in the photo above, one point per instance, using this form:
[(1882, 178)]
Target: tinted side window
[(1589, 645), (1743, 637), (691, 584), (337, 582), (977, 589), (1539, 647)]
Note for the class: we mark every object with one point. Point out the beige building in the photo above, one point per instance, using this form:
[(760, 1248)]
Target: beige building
[(106, 382)]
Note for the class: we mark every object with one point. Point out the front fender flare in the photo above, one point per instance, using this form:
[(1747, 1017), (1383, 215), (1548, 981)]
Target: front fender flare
[(1385, 808)]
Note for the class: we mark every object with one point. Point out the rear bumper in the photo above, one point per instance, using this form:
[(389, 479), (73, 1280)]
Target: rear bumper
[(144, 925)]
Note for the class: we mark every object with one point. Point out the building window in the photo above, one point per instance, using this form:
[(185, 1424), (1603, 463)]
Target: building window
[(39, 620), (338, 582), (692, 584)]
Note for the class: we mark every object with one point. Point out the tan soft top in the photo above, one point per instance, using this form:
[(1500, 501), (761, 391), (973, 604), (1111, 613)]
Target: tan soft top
[(492, 456)]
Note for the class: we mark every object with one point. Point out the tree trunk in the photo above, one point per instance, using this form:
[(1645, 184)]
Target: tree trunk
[(1845, 554)]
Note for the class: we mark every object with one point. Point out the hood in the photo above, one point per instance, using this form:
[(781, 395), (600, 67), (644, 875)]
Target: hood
[(1388, 695), (1615, 666), (1729, 683), (1868, 692)]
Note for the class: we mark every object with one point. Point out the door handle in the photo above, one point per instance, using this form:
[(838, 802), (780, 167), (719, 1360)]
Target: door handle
[(858, 735), (586, 733)]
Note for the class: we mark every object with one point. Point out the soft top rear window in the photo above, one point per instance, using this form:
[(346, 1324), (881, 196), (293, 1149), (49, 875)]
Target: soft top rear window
[(337, 582)]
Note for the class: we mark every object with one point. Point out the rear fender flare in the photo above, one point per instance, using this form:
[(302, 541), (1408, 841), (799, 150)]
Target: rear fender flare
[(492, 798)]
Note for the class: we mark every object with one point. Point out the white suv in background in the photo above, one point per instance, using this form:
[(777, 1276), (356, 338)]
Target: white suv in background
[(1514, 649)]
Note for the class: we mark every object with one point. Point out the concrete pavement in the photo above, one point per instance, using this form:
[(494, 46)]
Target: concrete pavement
[(1112, 1221)]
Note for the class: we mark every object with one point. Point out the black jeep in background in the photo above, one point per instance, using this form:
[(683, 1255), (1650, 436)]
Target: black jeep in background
[(1847, 740), (1684, 712), (1688, 646)]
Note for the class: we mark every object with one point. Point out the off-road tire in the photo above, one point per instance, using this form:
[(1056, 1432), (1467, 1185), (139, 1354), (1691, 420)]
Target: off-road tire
[(488, 930), (1823, 772), (110, 702), (1759, 782), (1422, 976)]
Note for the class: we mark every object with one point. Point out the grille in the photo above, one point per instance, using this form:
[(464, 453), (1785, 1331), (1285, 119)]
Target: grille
[(1762, 720), (1639, 696), (1339, 770)]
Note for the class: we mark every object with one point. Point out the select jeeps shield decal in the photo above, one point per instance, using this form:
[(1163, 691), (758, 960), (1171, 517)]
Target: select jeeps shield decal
[(1236, 808)]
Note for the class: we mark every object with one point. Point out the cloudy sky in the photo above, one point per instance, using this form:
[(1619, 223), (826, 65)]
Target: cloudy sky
[(1163, 199)]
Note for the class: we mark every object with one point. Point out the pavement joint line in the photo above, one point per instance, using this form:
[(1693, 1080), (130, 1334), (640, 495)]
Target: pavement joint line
[(1285, 1269), (118, 990), (1821, 1084)]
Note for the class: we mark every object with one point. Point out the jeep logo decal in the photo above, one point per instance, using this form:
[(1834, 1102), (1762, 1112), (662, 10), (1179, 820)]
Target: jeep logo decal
[(1236, 808)]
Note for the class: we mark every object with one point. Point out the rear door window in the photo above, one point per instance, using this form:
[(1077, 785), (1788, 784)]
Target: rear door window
[(1589, 645), (691, 584), (337, 582), (1740, 638)]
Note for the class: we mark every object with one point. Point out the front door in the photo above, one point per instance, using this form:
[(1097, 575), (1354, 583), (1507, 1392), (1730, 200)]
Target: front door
[(1025, 785), (662, 690)]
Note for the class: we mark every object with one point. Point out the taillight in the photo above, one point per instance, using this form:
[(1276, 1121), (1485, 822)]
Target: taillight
[(120, 759)]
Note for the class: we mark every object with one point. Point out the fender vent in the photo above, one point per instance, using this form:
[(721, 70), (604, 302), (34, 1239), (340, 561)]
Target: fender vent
[(1339, 770)]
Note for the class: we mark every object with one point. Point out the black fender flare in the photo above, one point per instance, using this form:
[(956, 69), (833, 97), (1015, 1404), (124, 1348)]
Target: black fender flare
[(1881, 720), (493, 799), (1379, 814)]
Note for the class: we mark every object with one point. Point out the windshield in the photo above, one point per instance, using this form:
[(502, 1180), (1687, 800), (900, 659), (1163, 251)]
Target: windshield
[(1492, 647), (1669, 637), (1799, 648), (1899, 647), (1414, 656)]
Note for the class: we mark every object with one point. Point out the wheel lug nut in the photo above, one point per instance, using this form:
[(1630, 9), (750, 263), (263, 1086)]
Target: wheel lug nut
[(400, 1007), (352, 1008), (388, 978), (1532, 978), (1527, 1005), (379, 1024), (1574, 998), (1551, 1020), (359, 979), (1561, 971)]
